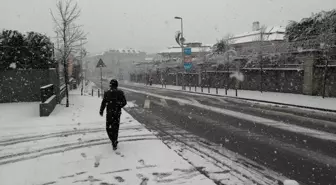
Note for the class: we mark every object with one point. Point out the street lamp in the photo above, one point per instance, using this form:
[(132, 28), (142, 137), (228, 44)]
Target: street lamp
[(182, 38), (182, 48)]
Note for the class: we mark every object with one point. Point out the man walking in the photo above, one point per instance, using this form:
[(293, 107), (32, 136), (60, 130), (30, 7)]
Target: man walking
[(114, 100)]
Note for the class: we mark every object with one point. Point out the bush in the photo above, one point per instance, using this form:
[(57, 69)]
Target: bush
[(30, 51), (309, 28)]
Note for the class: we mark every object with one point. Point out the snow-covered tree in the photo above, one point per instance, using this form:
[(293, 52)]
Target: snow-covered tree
[(39, 52), (11, 43), (315, 32), (222, 45), (30, 51), (318, 24)]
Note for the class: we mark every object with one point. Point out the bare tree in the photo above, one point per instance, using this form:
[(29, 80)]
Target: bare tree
[(69, 32)]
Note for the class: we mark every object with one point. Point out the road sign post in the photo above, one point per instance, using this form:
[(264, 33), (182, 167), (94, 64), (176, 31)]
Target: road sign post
[(101, 80), (187, 63), (101, 64)]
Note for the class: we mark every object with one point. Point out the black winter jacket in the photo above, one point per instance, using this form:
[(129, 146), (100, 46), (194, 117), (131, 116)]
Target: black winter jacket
[(114, 100)]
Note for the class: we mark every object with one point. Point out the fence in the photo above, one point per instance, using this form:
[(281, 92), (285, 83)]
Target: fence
[(284, 80)]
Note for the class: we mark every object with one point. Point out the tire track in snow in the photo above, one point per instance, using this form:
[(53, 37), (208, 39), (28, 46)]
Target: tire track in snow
[(56, 134), (47, 136), (67, 147)]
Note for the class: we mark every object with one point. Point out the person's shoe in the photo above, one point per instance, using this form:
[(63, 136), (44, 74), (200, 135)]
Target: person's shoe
[(115, 145)]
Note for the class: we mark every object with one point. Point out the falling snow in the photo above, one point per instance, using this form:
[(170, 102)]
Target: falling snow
[(13, 66)]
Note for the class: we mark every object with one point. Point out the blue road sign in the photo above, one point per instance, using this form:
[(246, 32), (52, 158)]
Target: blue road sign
[(187, 65), (187, 51)]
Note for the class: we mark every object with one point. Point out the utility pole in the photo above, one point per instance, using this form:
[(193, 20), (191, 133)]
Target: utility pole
[(82, 63), (101, 78)]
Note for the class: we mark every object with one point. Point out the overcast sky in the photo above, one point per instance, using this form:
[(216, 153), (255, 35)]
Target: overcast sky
[(149, 25)]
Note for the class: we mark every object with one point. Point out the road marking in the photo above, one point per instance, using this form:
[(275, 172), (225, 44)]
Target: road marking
[(147, 104), (222, 101), (164, 102), (131, 104), (180, 103), (157, 103), (194, 101), (255, 119)]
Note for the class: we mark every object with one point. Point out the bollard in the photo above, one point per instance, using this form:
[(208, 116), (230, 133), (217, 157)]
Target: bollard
[(216, 90), (236, 92), (226, 91), (92, 92), (195, 88), (98, 93), (202, 89), (209, 89)]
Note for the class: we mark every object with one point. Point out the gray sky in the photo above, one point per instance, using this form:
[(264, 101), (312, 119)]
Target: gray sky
[(149, 25)]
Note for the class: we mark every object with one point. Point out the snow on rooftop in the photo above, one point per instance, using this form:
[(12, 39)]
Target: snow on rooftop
[(271, 34), (148, 59), (130, 50), (126, 51)]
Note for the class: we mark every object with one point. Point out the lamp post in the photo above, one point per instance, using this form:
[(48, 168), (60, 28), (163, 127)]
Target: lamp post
[(182, 48)]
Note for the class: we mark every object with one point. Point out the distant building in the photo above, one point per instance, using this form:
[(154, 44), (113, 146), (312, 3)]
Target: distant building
[(70, 65), (118, 61), (171, 57), (251, 42)]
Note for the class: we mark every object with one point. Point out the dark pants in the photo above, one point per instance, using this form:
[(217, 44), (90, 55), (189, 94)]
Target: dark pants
[(112, 126)]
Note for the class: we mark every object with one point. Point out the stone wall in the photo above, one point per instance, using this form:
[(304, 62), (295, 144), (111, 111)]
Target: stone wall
[(24, 85)]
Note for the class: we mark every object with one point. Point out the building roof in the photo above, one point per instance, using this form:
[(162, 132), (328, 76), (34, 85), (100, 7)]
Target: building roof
[(275, 33), (127, 51), (149, 59)]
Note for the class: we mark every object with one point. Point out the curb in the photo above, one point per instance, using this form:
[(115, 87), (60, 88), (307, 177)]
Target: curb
[(247, 99)]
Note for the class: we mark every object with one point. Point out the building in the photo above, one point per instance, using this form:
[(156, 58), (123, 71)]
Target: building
[(260, 38), (119, 62), (171, 57)]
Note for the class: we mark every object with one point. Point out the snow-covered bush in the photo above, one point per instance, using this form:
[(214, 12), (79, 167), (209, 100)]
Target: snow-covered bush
[(322, 23), (30, 51)]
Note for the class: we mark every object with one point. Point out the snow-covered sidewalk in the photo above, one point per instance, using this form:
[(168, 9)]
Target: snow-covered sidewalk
[(286, 98), (71, 147)]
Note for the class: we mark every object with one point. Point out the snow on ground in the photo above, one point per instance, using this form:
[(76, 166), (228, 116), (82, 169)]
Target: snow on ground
[(290, 182), (287, 98), (71, 147), (18, 112)]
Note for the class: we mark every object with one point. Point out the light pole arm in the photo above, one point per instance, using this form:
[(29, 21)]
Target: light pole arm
[(182, 29)]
